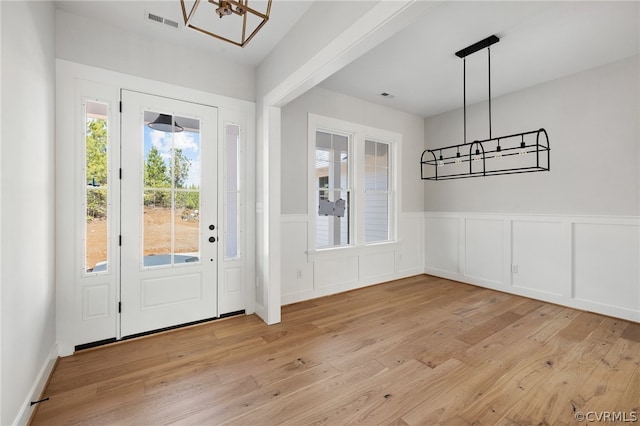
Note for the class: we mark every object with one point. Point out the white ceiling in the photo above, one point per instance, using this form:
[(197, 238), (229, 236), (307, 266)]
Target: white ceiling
[(540, 41), (132, 16)]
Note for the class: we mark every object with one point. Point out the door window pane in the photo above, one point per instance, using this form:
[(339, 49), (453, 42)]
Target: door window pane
[(96, 187), (186, 219), (171, 195)]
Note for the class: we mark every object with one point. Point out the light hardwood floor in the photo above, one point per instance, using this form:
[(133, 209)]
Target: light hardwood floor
[(421, 350)]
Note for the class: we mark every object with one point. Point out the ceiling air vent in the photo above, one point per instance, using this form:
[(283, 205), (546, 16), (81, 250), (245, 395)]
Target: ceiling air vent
[(155, 18), (160, 20), (170, 23)]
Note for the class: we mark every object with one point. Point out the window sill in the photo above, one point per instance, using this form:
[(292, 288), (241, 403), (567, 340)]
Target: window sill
[(352, 251)]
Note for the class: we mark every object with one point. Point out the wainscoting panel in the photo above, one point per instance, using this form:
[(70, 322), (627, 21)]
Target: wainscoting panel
[(377, 265), (584, 262), (411, 254), (297, 273), (484, 250), (335, 272), (442, 252), (535, 244), (311, 274), (605, 265)]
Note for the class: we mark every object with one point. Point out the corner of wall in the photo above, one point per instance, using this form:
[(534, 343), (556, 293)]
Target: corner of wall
[(37, 389)]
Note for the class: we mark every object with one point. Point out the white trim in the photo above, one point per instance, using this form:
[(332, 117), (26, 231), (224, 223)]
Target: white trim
[(139, 84), (337, 252), (288, 299), (1, 197), (272, 209), (565, 292), (619, 220), (37, 389)]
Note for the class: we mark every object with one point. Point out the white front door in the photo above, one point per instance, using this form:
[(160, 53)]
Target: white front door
[(169, 225)]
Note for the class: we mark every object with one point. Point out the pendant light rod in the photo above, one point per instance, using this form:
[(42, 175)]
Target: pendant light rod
[(489, 62), (463, 53), (464, 97)]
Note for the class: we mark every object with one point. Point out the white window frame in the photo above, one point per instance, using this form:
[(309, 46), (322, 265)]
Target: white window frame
[(112, 184), (358, 134), (240, 192)]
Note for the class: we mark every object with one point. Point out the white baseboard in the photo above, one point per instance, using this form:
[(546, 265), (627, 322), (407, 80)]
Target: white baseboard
[(570, 302), (288, 299), (38, 387)]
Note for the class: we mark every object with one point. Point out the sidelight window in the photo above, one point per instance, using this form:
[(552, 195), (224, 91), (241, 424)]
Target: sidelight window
[(96, 181)]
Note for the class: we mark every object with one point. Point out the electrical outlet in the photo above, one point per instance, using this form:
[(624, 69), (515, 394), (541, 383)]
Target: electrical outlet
[(514, 269), (299, 274)]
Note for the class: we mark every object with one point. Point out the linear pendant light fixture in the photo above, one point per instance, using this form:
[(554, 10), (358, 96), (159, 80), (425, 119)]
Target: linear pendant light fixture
[(524, 152)]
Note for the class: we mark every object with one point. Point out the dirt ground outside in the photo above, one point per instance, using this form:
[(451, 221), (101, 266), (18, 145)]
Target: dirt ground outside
[(157, 234)]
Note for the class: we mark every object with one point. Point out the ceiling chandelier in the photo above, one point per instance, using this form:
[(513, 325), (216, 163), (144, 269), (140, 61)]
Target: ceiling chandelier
[(515, 153), (246, 20)]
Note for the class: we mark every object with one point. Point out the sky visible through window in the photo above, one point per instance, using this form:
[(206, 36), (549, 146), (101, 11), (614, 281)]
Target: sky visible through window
[(187, 141)]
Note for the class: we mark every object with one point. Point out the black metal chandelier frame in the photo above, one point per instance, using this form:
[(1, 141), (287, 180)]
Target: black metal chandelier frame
[(436, 163)]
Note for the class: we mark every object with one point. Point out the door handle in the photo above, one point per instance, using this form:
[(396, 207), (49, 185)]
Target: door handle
[(212, 239)]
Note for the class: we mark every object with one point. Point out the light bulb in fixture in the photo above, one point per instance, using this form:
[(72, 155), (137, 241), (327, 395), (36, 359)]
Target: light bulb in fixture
[(523, 147), (498, 153), (224, 9), (477, 156), (440, 160)]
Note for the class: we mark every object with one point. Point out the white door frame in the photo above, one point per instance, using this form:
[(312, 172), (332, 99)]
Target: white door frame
[(70, 78)]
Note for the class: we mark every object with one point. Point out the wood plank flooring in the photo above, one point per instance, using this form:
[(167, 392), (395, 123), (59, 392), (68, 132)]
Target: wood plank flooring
[(417, 351)]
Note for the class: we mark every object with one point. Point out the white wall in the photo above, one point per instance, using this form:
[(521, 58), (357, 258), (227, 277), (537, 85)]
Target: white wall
[(569, 236), (308, 276), (28, 302), (593, 126), (89, 42)]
